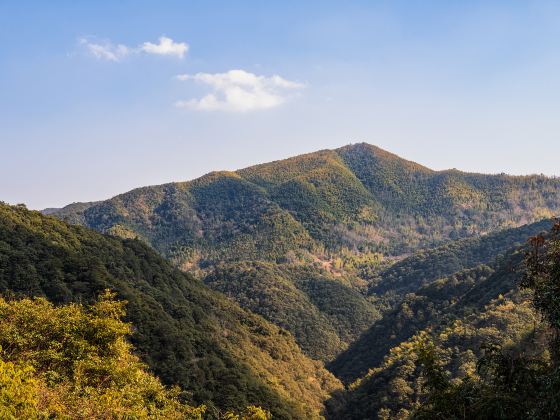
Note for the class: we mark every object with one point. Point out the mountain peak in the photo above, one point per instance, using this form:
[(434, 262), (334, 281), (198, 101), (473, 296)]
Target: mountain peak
[(382, 157)]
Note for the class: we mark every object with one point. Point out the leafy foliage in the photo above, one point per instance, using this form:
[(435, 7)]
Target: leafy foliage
[(74, 362), (542, 277), (499, 391)]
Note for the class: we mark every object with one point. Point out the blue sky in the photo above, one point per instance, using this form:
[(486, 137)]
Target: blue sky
[(100, 97)]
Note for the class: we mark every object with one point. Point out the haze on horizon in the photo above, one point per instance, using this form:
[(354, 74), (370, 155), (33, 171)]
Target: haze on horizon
[(101, 98)]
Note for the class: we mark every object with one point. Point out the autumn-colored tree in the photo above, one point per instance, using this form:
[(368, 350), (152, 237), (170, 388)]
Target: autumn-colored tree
[(74, 362)]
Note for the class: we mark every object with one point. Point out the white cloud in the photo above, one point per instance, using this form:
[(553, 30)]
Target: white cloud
[(111, 52), (239, 91), (166, 46), (106, 51)]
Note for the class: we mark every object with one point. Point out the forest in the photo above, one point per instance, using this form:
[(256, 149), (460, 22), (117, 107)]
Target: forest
[(341, 284), (220, 355)]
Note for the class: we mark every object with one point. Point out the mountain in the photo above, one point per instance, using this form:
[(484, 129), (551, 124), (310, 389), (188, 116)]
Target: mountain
[(189, 335), (300, 240), (358, 196), (359, 254)]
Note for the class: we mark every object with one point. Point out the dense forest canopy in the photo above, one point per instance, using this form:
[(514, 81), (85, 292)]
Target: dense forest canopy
[(221, 355)]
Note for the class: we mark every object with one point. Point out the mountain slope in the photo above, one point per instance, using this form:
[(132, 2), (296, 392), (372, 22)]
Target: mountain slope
[(428, 265), (322, 313), (396, 387), (416, 288), (189, 335), (461, 313), (297, 219), (358, 196)]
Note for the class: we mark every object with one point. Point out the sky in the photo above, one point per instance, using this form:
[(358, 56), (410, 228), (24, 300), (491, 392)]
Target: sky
[(100, 97)]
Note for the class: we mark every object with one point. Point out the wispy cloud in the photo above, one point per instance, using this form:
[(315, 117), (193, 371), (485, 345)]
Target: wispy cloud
[(239, 91), (116, 52), (106, 50)]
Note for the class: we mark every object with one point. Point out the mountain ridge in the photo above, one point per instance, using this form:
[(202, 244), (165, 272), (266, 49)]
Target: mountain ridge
[(356, 195), (53, 210)]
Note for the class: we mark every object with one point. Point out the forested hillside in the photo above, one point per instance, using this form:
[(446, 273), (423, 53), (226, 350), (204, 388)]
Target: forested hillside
[(396, 388), (188, 335), (322, 312), (499, 362), (463, 321), (374, 264), (391, 284), (415, 288), (358, 197), (300, 241)]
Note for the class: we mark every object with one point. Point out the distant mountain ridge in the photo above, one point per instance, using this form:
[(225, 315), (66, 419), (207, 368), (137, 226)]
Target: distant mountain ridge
[(358, 196)]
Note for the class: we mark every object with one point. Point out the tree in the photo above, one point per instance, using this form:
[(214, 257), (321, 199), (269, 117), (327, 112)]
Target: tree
[(543, 278)]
